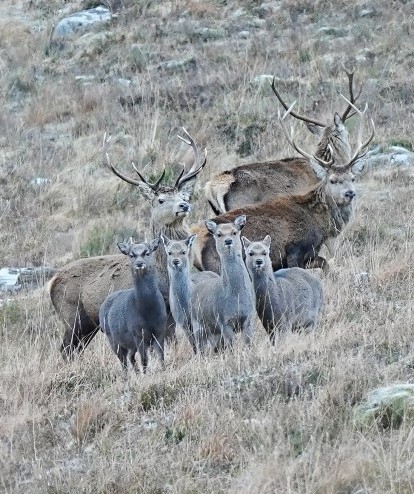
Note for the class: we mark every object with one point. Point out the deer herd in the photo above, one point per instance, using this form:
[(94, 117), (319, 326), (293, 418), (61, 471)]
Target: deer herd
[(208, 279)]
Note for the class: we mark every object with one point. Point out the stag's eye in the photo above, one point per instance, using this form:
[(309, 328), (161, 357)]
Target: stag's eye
[(183, 253), (333, 180), (219, 235), (234, 233), (353, 179), (251, 254)]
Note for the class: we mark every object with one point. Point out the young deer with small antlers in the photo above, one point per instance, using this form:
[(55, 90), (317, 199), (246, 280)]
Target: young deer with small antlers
[(78, 289), (261, 181), (300, 223)]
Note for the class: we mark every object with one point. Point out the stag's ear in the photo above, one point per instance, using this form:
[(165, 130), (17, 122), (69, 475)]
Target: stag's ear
[(191, 239), (338, 122), (320, 172), (186, 190), (267, 240), (315, 129), (211, 226), (146, 191), (123, 247), (240, 221), (246, 242), (154, 244), (165, 240), (359, 166)]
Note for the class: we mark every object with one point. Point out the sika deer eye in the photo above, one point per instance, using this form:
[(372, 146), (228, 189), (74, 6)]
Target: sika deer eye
[(251, 254), (219, 235)]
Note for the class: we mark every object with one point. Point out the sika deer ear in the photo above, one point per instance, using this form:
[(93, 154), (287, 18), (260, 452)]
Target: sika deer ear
[(246, 242), (240, 221), (154, 244), (191, 239), (267, 240), (165, 240), (211, 226), (123, 247)]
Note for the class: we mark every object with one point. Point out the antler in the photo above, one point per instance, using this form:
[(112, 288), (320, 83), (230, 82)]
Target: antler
[(291, 141), (195, 168), (105, 146), (361, 150), (294, 114), (352, 99)]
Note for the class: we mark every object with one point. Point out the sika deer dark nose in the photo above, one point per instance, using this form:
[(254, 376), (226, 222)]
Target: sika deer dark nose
[(228, 241), (350, 194)]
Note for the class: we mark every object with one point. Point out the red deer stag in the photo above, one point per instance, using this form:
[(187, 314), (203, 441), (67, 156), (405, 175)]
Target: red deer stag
[(78, 290), (300, 223), (256, 182)]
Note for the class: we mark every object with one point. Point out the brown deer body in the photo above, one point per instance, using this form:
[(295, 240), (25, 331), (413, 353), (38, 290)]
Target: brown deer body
[(260, 181), (78, 290), (300, 223)]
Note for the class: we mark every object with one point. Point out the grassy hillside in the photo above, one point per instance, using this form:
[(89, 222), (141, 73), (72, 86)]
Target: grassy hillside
[(261, 420)]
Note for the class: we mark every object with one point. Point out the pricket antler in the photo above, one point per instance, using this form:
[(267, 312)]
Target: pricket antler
[(182, 178)]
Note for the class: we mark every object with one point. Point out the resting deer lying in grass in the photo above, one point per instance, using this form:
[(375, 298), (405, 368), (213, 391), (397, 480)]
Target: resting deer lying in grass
[(287, 300), (257, 182), (225, 304), (78, 289), (300, 223), (135, 319)]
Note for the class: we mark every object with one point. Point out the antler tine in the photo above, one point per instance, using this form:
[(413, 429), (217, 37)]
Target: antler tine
[(190, 141), (294, 114), (350, 74), (291, 141), (361, 150), (155, 186), (192, 173), (107, 161), (195, 168)]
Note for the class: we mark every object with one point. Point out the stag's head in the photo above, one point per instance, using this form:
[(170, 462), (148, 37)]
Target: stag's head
[(333, 145), (227, 235), (337, 175), (169, 204), (140, 255)]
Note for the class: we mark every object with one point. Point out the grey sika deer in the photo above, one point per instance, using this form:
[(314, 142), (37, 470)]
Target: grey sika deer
[(78, 289), (289, 299), (178, 265), (136, 318), (224, 304)]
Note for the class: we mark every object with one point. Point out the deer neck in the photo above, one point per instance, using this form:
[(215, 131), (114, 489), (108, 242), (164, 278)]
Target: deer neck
[(233, 271), (263, 280), (339, 215), (180, 287), (145, 284), (175, 231)]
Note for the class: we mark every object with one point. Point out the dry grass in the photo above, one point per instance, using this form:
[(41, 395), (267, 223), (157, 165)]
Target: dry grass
[(263, 420)]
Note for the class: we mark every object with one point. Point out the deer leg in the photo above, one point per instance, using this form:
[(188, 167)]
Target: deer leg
[(122, 354), (318, 262), (247, 330), (79, 333), (158, 344), (143, 351)]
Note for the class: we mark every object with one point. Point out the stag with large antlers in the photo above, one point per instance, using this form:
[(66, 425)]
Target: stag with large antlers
[(260, 181), (78, 290), (300, 224)]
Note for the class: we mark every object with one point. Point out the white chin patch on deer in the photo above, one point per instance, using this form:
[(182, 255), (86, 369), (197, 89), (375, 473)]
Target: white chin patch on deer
[(180, 214)]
